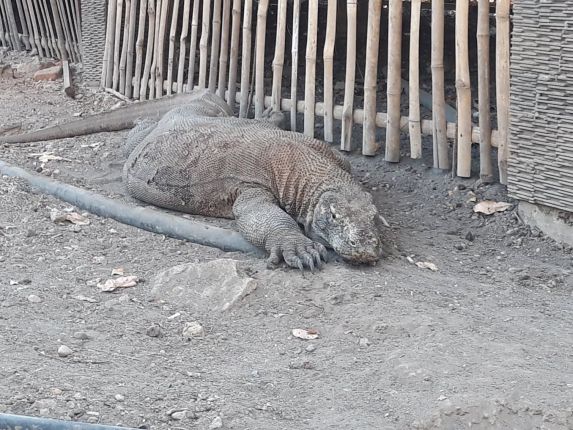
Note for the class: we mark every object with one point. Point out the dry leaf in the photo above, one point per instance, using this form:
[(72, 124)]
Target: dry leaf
[(85, 299), (118, 271), (427, 265), (489, 207), (44, 157), (73, 217), (122, 282), (306, 334)]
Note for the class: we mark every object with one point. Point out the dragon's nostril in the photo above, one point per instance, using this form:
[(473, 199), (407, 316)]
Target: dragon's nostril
[(352, 243)]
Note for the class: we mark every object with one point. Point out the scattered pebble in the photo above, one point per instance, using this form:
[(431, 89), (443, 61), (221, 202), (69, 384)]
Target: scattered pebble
[(64, 351), (81, 335), (310, 348), (217, 423), (193, 329), (119, 397), (153, 331), (364, 342), (32, 298)]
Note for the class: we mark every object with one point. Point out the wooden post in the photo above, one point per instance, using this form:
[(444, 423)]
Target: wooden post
[(107, 69), (394, 85), (215, 45), (72, 26), (123, 60), (149, 52), (156, 39), (50, 37), (68, 44), (294, 66), (310, 78), (5, 27), (37, 36), (441, 156), (502, 83), (278, 61), (486, 173), (204, 43), (224, 54), (32, 36), (139, 47), (328, 59), (63, 53), (348, 109), (3, 40), (183, 45), (369, 144), (414, 81), (463, 89), (246, 58), (260, 57), (130, 46), (116, 48), (171, 54), (161, 48), (193, 46), (12, 23), (43, 40), (235, 37)]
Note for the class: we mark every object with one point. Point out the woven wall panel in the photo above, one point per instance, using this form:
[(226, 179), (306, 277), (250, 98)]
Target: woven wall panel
[(93, 39), (541, 161)]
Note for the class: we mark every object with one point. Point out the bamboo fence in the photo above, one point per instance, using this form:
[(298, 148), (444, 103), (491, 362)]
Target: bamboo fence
[(238, 49), (46, 28)]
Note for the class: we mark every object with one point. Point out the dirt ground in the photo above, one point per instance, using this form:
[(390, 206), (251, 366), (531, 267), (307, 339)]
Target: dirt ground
[(484, 342)]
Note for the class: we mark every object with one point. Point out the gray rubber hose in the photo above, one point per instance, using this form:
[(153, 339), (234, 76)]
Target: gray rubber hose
[(146, 219), (20, 422)]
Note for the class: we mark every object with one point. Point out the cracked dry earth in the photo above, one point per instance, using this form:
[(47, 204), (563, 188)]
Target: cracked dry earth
[(484, 342)]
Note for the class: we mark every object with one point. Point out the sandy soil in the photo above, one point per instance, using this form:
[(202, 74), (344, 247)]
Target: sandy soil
[(486, 341)]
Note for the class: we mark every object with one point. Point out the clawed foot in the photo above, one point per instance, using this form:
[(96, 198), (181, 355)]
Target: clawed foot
[(299, 254), (275, 117)]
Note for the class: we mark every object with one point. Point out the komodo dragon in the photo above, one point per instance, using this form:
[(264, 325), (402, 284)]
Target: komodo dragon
[(188, 153)]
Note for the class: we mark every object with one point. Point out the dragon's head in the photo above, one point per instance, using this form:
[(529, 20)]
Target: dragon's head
[(347, 223)]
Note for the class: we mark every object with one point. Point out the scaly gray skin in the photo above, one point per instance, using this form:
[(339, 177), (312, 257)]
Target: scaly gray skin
[(204, 161), (197, 158)]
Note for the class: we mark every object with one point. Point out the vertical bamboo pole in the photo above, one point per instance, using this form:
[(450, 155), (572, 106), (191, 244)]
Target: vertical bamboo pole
[(116, 48), (13, 27), (235, 36), (24, 24), (193, 46), (130, 49), (294, 62), (123, 59), (59, 30), (260, 58), (162, 30), (149, 51), (172, 33), (139, 48), (394, 85), (37, 36), (5, 37), (246, 58), (215, 45), (502, 12), (463, 89), (369, 144), (107, 69), (486, 173), (204, 43), (65, 26), (310, 79), (224, 54), (278, 60), (50, 39), (348, 108), (183, 45), (441, 156), (414, 82), (31, 35), (328, 61), (74, 36), (156, 38)]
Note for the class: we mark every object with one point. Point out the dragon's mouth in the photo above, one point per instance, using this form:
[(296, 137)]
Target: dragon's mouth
[(361, 258)]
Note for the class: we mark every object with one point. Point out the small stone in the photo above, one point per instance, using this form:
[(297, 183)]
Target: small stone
[(460, 246), (64, 351), (44, 412), (364, 342), (193, 329), (217, 423), (119, 397), (310, 348), (153, 331), (470, 236), (81, 335), (49, 74), (178, 415), (32, 298)]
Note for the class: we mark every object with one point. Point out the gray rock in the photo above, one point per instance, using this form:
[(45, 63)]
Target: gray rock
[(32, 298), (64, 351), (217, 423), (216, 285)]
